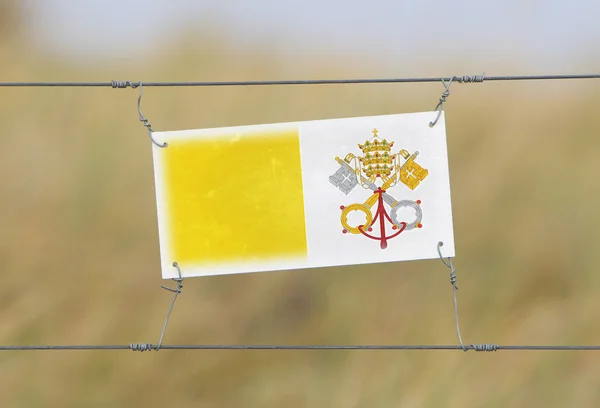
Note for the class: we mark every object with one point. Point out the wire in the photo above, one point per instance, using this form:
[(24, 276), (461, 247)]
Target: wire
[(460, 79), (150, 347), (453, 279), (177, 291)]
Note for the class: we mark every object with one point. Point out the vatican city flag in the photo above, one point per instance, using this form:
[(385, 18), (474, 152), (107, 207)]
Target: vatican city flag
[(303, 195)]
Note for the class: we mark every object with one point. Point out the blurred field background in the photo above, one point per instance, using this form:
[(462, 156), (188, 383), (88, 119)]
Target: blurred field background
[(79, 244)]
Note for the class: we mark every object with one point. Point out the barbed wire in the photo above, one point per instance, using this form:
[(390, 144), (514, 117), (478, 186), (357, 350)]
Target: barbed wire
[(152, 347), (459, 79)]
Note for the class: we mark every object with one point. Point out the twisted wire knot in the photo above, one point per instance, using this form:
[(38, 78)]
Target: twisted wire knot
[(178, 280), (449, 265), (146, 123), (124, 84), (445, 95), (440, 106), (453, 277), (468, 79), (141, 347), (485, 347)]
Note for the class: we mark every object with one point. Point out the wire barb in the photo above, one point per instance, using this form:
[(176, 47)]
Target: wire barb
[(177, 291), (141, 347), (466, 79), (485, 347), (124, 84)]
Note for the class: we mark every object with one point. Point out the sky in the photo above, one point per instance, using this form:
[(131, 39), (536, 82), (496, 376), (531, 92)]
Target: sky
[(551, 36)]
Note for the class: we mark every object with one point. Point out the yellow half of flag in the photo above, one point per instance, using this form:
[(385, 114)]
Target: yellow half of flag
[(235, 198)]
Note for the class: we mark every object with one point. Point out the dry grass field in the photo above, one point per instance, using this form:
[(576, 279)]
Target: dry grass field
[(79, 246)]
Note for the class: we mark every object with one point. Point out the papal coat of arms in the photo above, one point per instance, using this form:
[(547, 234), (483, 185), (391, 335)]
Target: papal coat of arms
[(379, 170)]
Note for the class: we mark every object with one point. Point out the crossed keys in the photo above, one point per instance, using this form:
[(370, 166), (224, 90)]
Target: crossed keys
[(347, 177)]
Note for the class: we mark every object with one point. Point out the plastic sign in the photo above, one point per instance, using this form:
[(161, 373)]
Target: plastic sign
[(303, 195)]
